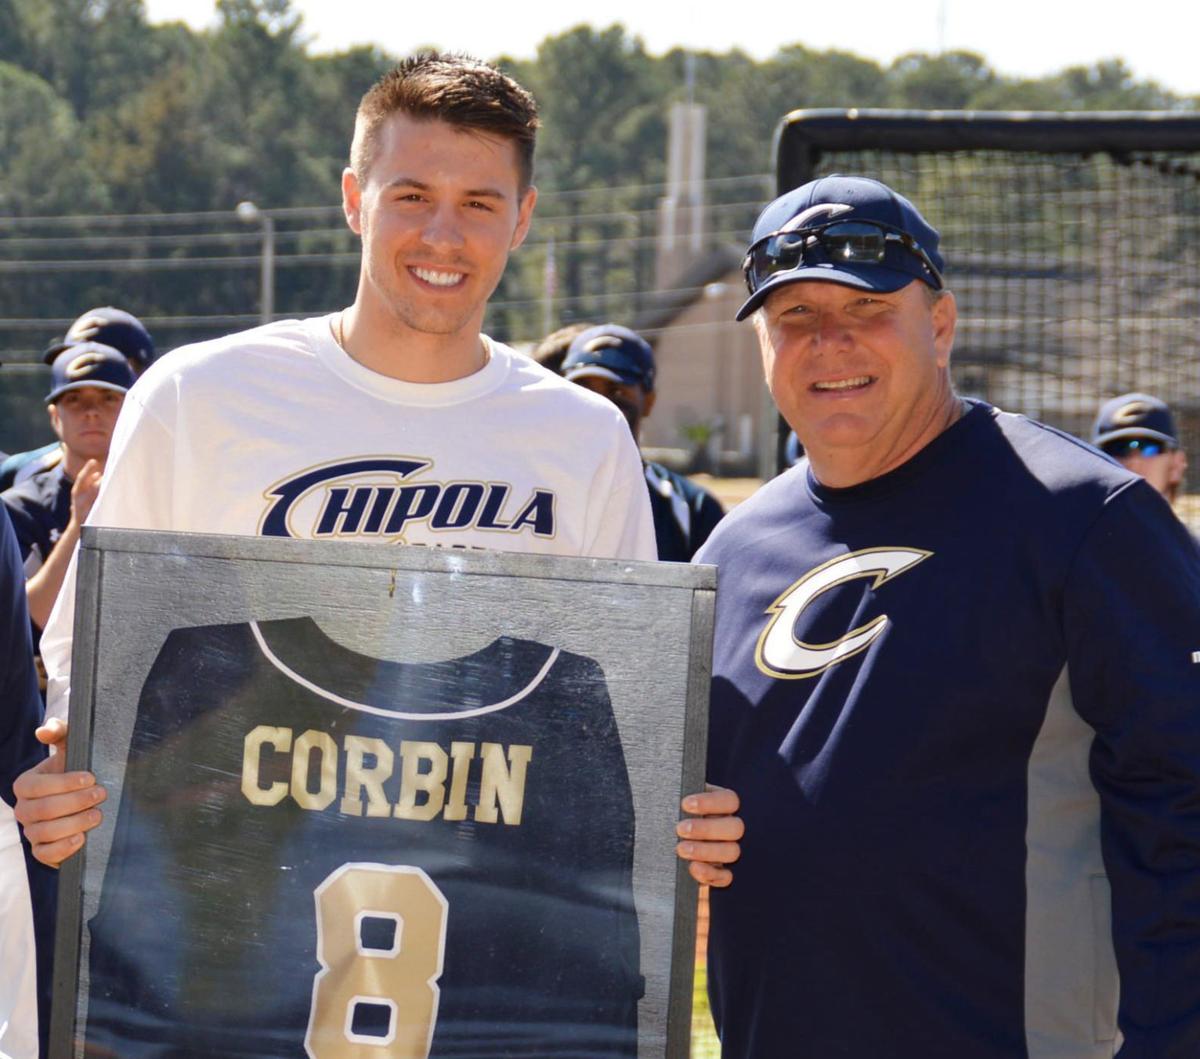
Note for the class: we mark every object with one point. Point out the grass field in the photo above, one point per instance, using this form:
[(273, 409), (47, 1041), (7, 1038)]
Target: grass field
[(704, 1039)]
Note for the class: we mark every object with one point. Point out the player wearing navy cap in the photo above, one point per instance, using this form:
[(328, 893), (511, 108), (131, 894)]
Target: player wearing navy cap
[(1138, 431), (122, 331), (959, 708), (618, 364), (551, 351), (89, 383), (110, 327)]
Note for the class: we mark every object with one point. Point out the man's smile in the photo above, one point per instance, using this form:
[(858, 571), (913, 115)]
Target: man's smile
[(437, 277), (852, 384)]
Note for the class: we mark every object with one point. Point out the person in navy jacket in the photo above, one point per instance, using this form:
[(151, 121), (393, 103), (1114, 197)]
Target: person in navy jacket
[(26, 926), (957, 688), (1138, 431)]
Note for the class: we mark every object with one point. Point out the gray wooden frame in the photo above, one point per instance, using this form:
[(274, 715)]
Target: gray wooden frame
[(648, 625)]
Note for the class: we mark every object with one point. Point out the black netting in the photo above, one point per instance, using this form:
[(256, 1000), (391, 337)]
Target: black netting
[(1076, 274)]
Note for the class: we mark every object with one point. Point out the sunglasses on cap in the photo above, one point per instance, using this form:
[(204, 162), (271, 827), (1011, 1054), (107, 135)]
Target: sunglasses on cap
[(839, 243), (1123, 447)]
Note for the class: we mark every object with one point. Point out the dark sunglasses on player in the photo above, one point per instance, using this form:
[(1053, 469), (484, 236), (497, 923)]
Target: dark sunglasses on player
[(1123, 447), (839, 242)]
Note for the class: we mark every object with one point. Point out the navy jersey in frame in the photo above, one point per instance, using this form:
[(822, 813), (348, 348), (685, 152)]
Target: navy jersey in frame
[(322, 853)]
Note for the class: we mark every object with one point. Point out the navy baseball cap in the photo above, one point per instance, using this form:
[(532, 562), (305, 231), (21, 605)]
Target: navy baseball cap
[(906, 243), (89, 364), (123, 331), (1134, 415), (610, 351)]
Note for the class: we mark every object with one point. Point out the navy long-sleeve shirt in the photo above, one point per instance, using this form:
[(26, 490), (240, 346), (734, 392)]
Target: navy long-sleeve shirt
[(961, 705), (20, 704)]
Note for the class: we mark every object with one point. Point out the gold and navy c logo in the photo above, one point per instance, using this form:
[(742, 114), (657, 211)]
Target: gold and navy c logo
[(85, 327), (1130, 414), (782, 655), (83, 364)]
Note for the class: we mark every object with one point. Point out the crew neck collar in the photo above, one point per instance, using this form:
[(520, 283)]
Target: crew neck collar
[(398, 391), (492, 679), (940, 448)]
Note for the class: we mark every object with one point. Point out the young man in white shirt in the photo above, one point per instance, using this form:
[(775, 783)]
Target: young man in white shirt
[(392, 419)]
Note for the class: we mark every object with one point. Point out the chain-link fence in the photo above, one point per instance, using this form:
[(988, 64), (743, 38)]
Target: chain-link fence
[(591, 254)]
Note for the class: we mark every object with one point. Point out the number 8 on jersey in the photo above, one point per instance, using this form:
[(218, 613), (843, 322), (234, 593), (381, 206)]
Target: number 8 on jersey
[(401, 978)]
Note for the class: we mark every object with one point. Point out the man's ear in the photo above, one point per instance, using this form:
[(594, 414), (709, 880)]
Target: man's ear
[(945, 322), (352, 200), (648, 402), (524, 217)]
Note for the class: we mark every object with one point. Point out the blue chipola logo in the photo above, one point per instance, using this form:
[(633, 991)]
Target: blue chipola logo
[(387, 497)]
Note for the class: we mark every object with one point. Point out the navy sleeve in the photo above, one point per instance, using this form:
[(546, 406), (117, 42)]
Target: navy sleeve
[(20, 705), (8, 471), (25, 527), (1132, 620), (706, 513)]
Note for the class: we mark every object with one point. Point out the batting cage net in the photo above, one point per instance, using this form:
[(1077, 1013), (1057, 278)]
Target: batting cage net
[(1071, 240)]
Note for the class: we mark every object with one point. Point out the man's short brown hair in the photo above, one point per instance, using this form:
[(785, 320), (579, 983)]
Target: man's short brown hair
[(453, 88)]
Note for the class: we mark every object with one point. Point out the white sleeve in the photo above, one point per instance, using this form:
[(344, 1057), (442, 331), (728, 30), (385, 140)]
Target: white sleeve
[(619, 522), (136, 492)]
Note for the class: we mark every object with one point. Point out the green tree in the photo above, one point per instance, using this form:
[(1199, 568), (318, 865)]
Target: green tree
[(93, 52), (1019, 94), (158, 148), (260, 95), (747, 99), (603, 128), (338, 83), (1109, 85), (43, 171), (590, 84), (949, 81), (12, 33)]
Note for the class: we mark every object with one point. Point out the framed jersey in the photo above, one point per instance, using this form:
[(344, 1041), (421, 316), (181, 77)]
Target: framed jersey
[(380, 802)]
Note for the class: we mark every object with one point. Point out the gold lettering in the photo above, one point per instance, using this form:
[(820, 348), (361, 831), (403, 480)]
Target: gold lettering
[(264, 735), (502, 782), (323, 743), (456, 807), (360, 779), (413, 781), (432, 782)]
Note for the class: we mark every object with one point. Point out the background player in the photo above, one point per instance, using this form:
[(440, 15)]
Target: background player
[(1138, 431), (88, 387), (618, 364), (551, 351), (110, 327)]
